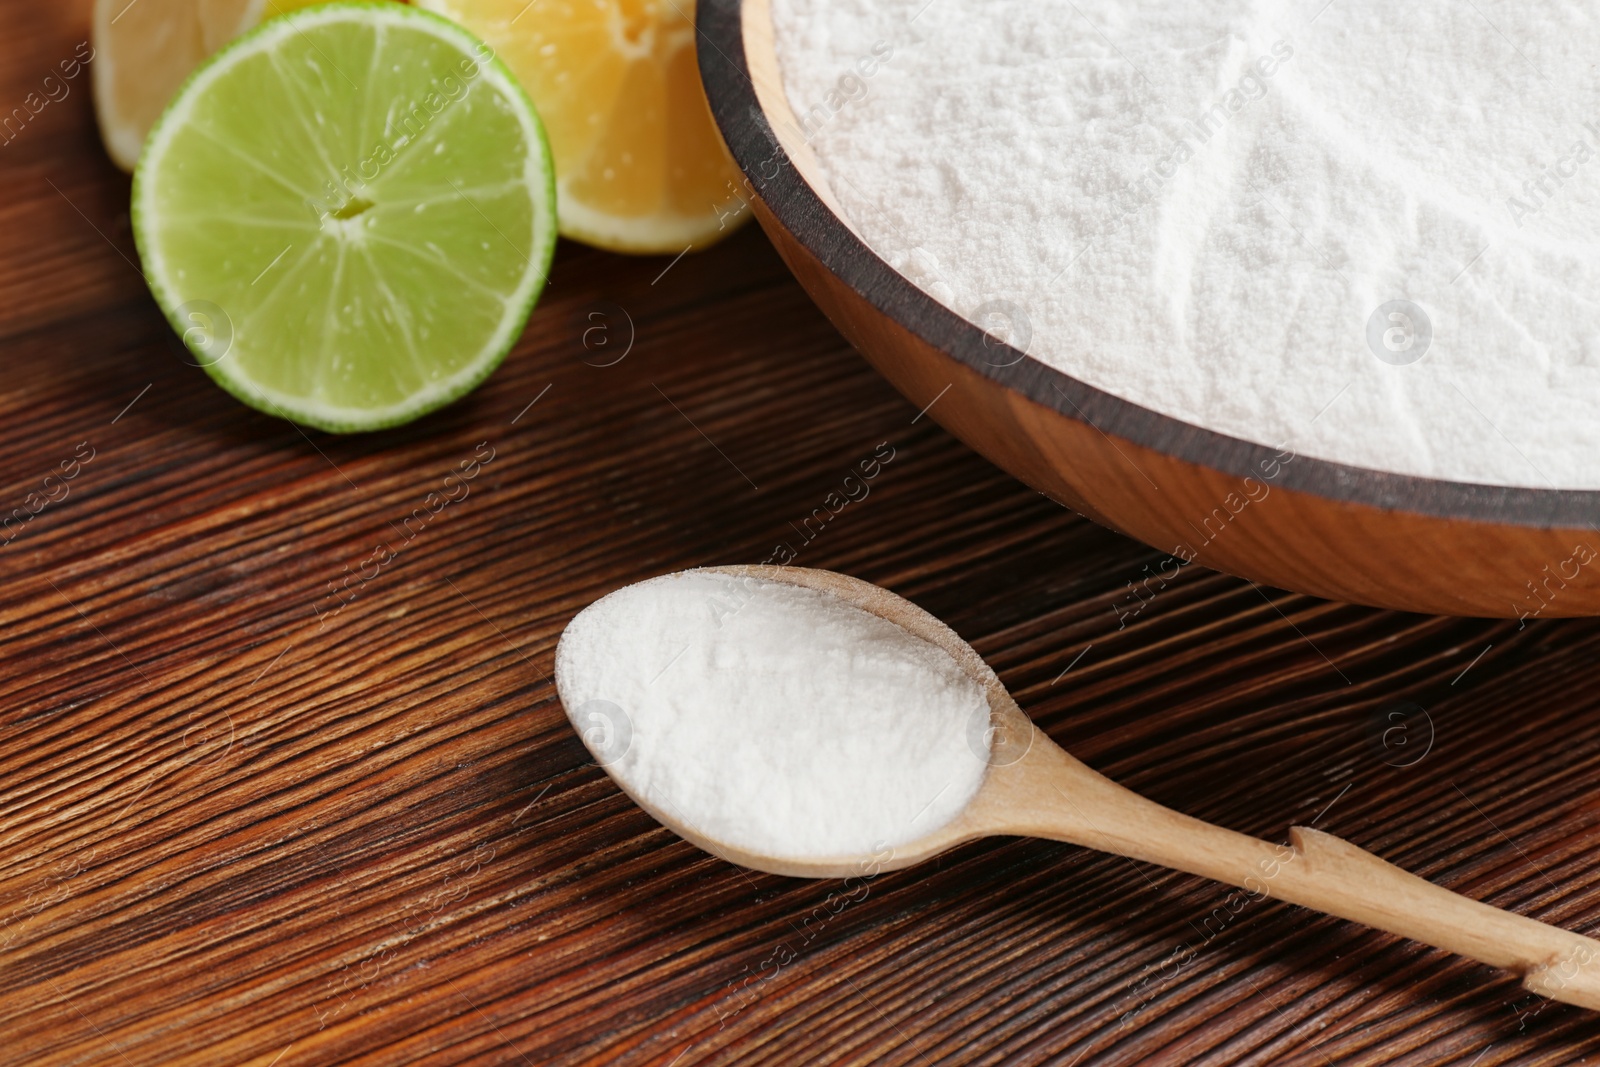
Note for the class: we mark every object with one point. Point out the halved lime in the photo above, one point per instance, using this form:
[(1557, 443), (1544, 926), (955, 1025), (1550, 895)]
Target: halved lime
[(348, 214)]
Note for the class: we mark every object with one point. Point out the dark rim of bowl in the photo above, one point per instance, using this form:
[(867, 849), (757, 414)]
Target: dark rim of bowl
[(797, 206)]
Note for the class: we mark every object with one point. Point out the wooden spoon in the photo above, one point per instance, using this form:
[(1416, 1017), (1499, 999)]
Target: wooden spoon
[(1033, 788)]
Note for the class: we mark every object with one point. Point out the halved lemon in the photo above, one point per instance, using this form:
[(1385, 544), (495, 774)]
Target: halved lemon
[(143, 49), (640, 166)]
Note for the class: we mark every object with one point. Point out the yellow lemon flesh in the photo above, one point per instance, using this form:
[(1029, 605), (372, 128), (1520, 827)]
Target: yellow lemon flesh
[(144, 49), (640, 166)]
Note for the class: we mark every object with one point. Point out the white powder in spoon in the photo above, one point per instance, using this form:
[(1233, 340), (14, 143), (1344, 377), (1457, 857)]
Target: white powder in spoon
[(770, 717), (1210, 208)]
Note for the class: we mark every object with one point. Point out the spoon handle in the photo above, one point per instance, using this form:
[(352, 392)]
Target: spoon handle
[(1315, 870)]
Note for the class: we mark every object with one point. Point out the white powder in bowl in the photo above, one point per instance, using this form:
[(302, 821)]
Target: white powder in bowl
[(1362, 228), (777, 719)]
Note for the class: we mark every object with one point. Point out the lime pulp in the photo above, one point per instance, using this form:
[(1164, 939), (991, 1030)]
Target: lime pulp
[(348, 214)]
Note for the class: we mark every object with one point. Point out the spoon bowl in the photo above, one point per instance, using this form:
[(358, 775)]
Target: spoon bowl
[(1031, 787)]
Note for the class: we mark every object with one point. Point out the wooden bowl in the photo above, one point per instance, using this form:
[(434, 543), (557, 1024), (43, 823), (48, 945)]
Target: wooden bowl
[(1309, 525)]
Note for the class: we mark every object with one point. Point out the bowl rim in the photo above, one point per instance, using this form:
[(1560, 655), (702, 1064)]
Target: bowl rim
[(770, 175)]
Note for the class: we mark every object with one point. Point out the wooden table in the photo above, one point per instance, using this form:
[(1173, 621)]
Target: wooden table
[(256, 810)]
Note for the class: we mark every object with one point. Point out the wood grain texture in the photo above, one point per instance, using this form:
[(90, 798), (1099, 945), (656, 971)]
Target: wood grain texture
[(1266, 513), (229, 835)]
